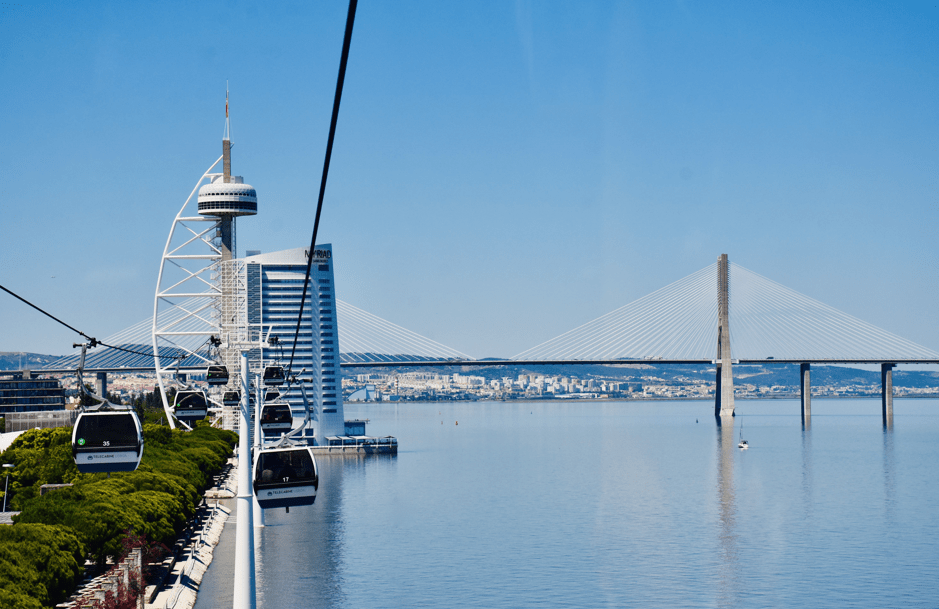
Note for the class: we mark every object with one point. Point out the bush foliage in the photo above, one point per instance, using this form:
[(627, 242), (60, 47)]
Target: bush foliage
[(39, 562), (91, 517)]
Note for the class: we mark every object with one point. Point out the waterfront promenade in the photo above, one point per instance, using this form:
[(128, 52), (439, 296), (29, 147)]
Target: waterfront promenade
[(181, 585)]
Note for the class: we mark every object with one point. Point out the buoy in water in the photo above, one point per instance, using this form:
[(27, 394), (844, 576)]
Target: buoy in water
[(457, 423)]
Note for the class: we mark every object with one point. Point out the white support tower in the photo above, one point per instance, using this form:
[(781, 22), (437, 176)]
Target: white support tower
[(197, 286)]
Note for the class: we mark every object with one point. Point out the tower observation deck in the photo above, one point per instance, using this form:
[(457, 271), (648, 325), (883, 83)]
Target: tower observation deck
[(227, 197)]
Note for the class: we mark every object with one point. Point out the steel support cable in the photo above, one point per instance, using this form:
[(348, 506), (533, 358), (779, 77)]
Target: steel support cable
[(382, 335), (782, 315), (744, 312), (785, 325), (810, 325), (346, 41), (371, 336), (407, 339), (632, 328), (659, 340), (627, 321), (363, 335), (822, 325), (395, 336), (772, 316), (654, 308), (566, 345), (691, 341), (93, 340), (662, 337), (634, 314)]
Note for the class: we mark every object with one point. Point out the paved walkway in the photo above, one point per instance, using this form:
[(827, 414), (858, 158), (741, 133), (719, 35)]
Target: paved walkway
[(182, 584)]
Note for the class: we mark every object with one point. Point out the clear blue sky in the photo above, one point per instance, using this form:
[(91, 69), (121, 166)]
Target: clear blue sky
[(503, 171)]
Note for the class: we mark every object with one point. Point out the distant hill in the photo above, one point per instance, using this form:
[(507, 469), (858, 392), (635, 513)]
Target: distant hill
[(19, 360)]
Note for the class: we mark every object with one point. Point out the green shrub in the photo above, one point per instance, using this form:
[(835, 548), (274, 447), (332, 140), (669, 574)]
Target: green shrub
[(40, 561), (154, 501)]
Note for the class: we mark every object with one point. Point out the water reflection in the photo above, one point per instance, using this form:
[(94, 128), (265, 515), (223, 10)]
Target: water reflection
[(889, 483), (302, 550), (807, 481), (728, 592)]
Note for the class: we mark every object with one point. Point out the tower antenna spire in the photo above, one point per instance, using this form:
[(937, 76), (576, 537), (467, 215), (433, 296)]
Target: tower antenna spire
[(227, 135), (226, 143)]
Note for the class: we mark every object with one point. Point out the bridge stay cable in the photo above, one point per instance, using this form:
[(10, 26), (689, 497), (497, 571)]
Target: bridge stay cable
[(770, 321)]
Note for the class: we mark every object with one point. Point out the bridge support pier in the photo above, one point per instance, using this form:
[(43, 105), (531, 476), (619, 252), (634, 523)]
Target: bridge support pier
[(805, 384), (724, 386), (886, 393), (101, 384), (724, 390)]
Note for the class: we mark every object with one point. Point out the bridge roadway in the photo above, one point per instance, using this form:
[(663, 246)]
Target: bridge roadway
[(805, 386), (508, 362)]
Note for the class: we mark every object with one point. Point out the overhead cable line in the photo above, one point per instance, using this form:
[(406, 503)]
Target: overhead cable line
[(92, 341), (350, 18)]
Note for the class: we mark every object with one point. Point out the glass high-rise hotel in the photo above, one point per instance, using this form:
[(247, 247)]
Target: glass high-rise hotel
[(274, 285)]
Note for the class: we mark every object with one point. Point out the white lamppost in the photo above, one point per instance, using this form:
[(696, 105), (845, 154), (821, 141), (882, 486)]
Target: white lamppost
[(6, 486)]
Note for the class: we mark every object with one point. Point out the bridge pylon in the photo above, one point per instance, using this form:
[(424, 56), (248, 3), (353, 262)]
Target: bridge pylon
[(724, 391)]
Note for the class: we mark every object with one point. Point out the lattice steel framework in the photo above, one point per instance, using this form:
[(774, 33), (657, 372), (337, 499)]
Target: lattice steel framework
[(188, 292)]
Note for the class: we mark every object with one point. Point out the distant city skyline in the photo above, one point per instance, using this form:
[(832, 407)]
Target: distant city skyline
[(503, 172)]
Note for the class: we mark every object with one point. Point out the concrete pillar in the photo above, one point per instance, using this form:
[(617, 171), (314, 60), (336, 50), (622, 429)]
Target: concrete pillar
[(101, 384), (886, 392), (805, 378), (724, 391)]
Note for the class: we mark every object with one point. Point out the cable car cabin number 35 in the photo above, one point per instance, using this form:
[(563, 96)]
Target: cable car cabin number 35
[(107, 442)]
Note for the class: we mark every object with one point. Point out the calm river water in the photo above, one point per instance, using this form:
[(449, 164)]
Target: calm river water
[(613, 504)]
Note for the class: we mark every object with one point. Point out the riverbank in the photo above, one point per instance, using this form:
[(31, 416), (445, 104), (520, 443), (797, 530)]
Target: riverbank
[(180, 585)]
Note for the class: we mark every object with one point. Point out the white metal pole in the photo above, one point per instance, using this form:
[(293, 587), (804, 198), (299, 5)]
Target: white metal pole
[(258, 512), (245, 595)]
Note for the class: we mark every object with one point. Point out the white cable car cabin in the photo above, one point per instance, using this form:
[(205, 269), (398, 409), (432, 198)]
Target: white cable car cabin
[(107, 441), (276, 416), (231, 398), (216, 375), (190, 404), (285, 477), (274, 376)]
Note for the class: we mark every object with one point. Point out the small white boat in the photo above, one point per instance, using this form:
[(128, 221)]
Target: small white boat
[(742, 444)]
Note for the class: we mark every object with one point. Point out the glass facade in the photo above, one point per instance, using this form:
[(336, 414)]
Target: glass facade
[(20, 394), (275, 286)]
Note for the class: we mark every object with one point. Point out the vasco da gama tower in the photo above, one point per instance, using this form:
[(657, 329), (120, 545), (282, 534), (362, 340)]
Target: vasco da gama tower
[(252, 303)]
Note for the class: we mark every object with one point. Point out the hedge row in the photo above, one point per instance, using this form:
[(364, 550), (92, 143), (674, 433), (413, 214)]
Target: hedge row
[(91, 517)]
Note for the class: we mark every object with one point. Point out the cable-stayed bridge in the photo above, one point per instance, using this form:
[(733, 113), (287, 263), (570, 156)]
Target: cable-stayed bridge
[(723, 314), (675, 324)]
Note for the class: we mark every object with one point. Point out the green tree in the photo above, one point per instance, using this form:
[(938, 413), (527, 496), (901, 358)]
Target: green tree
[(44, 562)]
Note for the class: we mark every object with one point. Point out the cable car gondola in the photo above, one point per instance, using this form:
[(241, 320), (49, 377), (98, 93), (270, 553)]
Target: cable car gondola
[(217, 375), (276, 417), (231, 398), (285, 477), (190, 404), (274, 376), (107, 441)]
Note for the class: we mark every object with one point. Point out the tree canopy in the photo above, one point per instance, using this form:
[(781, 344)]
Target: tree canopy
[(91, 518)]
